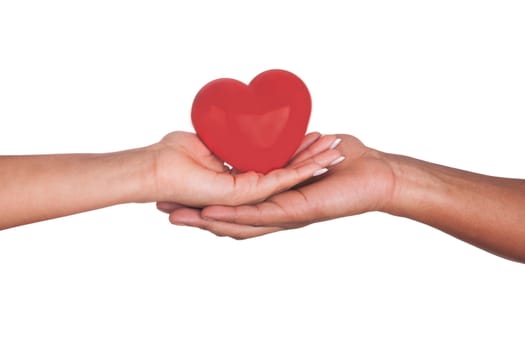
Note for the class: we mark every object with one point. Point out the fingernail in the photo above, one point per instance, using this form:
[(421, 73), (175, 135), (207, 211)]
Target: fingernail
[(335, 143), (337, 161), (320, 172)]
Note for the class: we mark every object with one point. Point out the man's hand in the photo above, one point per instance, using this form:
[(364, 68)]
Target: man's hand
[(483, 210), (363, 182)]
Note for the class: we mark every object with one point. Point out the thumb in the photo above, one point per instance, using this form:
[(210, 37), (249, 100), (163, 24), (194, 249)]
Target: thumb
[(251, 187)]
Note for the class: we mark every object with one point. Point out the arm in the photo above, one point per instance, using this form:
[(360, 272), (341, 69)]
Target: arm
[(35, 188), (485, 211), (177, 169)]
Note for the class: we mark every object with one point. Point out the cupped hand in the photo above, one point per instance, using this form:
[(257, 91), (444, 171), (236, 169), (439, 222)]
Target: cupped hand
[(188, 175), (363, 182)]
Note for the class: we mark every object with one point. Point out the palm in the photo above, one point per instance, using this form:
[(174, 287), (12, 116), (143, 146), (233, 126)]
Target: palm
[(190, 175), (362, 183), (195, 167), (359, 185)]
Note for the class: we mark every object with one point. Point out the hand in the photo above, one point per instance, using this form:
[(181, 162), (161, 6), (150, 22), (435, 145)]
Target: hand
[(452, 200), (188, 175), (178, 169), (363, 182)]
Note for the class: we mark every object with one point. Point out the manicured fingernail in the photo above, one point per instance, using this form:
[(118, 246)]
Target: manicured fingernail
[(335, 143), (320, 172), (337, 161)]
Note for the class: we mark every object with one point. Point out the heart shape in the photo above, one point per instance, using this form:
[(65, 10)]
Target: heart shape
[(255, 127)]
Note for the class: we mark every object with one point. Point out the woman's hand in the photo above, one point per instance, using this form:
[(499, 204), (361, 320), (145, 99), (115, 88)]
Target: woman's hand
[(178, 169), (188, 174)]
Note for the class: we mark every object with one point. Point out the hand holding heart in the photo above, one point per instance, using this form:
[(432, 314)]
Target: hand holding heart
[(180, 170), (256, 128), (188, 174)]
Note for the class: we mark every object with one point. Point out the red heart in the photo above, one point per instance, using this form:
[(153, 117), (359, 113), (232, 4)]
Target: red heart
[(253, 127)]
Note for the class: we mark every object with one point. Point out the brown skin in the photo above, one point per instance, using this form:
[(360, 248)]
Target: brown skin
[(485, 211), (178, 169)]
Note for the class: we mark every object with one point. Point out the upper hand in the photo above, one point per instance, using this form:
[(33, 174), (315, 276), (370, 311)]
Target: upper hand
[(187, 174)]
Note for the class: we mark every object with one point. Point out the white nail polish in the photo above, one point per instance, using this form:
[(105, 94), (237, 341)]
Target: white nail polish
[(337, 161), (320, 172), (335, 143)]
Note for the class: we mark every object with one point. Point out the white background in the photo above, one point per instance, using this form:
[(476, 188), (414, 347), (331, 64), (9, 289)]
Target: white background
[(443, 81)]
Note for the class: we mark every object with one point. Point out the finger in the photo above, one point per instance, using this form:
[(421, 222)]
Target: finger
[(251, 187), (201, 152), (168, 207), (324, 143), (287, 209), (308, 140), (184, 216), (192, 217)]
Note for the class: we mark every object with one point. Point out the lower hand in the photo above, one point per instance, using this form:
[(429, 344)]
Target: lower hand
[(363, 182)]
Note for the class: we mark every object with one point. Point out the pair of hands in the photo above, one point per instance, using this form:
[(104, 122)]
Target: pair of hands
[(210, 196)]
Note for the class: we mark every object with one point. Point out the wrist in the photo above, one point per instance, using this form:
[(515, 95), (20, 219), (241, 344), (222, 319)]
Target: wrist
[(415, 186), (137, 168)]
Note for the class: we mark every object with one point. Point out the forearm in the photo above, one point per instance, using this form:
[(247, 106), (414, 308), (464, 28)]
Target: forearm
[(35, 188), (486, 211)]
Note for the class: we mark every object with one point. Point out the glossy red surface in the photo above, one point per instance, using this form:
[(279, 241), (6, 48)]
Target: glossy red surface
[(257, 126)]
